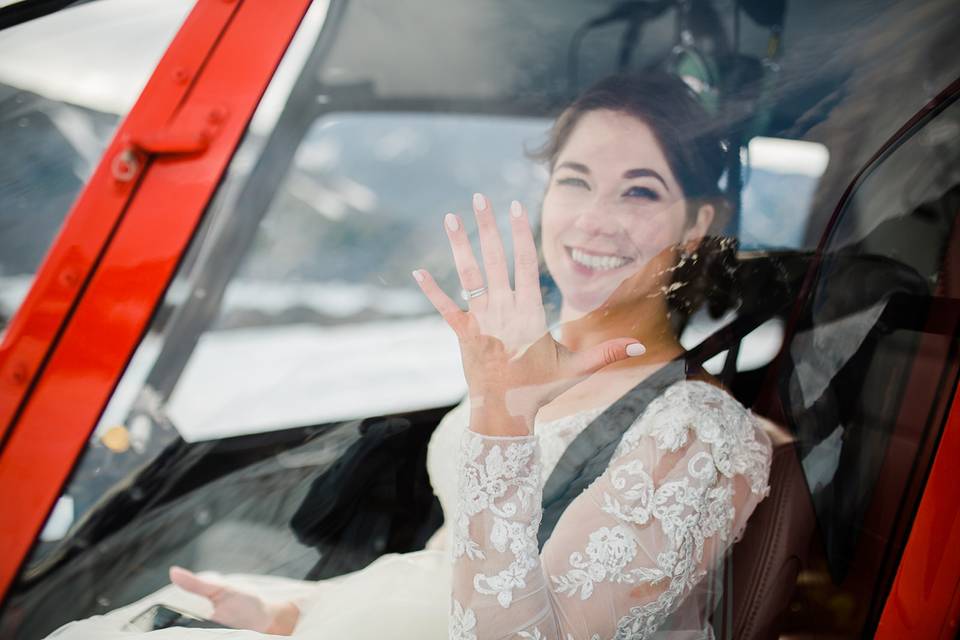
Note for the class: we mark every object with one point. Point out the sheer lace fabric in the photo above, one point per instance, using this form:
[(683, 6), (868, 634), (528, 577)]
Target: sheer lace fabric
[(629, 552), (581, 585)]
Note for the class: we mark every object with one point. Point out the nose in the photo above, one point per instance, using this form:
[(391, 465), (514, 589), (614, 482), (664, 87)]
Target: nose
[(595, 219)]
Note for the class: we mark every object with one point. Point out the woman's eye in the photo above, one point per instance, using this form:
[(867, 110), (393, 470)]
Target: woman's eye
[(573, 182), (642, 192)]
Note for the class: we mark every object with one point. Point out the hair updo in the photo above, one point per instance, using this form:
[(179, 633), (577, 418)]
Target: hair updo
[(695, 152)]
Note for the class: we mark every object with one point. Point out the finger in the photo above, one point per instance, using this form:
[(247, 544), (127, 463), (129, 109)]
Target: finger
[(467, 268), (526, 270), (583, 363), (447, 308), (189, 581), (491, 246)]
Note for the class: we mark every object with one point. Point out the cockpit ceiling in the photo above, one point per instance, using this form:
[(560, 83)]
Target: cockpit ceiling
[(503, 51)]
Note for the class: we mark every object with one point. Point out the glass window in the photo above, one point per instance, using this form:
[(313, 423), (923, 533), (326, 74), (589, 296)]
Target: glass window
[(64, 86), (775, 166), (287, 417), (872, 372), (326, 276)]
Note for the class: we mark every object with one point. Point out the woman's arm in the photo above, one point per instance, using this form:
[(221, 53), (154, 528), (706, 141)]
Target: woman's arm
[(238, 608), (606, 567), (630, 548)]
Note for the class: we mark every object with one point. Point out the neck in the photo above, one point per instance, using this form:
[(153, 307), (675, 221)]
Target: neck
[(645, 320)]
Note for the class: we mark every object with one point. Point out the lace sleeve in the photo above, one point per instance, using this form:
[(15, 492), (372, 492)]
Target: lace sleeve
[(625, 553)]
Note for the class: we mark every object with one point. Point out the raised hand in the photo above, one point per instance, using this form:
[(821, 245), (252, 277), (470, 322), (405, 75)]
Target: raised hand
[(512, 364), (239, 609)]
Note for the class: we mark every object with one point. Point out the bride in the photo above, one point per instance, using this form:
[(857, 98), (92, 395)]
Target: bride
[(634, 549)]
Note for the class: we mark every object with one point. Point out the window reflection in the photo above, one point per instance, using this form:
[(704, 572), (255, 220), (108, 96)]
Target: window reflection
[(249, 402), (872, 363), (63, 91), (774, 167), (327, 276)]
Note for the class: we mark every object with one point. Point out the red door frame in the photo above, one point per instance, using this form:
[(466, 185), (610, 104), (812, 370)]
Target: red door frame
[(99, 284), (69, 263), (924, 601), (119, 247)]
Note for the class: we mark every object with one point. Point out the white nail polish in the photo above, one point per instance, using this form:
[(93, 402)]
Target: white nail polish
[(418, 275), (515, 209), (451, 221), (636, 349), (479, 202)]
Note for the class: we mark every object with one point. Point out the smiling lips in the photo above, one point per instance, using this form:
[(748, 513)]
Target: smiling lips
[(593, 262)]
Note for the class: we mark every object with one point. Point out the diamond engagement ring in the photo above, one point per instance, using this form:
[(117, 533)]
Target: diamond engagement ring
[(472, 293)]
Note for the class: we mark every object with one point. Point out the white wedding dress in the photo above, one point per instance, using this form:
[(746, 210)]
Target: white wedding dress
[(634, 556)]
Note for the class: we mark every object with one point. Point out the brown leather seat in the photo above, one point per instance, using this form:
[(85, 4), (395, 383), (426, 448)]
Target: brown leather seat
[(765, 563), (868, 400)]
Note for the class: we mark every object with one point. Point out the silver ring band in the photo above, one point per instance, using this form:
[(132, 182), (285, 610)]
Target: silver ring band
[(472, 293)]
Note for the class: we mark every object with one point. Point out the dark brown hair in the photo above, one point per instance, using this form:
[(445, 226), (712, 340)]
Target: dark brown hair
[(695, 151)]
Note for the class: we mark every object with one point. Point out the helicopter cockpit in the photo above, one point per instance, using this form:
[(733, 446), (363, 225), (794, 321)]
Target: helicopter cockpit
[(275, 415)]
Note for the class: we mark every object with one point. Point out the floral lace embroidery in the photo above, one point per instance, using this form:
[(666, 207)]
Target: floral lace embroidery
[(463, 623), (504, 480), (688, 514), (689, 510), (500, 480), (554, 436), (718, 421), (609, 551)]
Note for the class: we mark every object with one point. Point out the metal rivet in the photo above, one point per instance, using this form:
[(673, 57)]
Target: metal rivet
[(19, 374), (69, 277), (125, 165), (217, 115)]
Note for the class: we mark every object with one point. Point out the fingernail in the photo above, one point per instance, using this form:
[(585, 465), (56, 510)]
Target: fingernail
[(636, 349), (418, 275), (479, 202), (451, 221), (515, 209)]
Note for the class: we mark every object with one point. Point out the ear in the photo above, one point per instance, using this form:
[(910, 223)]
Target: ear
[(705, 215)]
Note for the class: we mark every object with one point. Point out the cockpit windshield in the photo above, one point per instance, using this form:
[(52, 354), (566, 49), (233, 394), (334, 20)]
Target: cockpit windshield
[(290, 410)]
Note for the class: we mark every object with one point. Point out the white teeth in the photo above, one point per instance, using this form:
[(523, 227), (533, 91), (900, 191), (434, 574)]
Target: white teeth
[(599, 263)]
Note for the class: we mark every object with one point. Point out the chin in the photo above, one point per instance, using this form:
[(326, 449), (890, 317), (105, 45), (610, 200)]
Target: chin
[(584, 299)]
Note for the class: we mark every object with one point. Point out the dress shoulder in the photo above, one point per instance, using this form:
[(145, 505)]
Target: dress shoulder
[(693, 410)]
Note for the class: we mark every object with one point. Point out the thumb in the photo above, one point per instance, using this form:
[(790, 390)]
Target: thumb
[(189, 581), (583, 363)]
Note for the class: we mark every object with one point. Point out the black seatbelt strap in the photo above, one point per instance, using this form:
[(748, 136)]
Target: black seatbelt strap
[(589, 454)]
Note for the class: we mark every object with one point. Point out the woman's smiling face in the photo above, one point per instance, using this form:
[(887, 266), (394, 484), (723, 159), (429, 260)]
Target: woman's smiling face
[(612, 208)]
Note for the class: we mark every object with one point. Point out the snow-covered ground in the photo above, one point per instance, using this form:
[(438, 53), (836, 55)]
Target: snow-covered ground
[(268, 378), (335, 299), (265, 379), (257, 380)]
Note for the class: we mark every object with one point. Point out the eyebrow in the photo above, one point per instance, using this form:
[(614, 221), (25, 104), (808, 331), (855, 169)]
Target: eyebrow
[(576, 166), (646, 173), (629, 174)]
